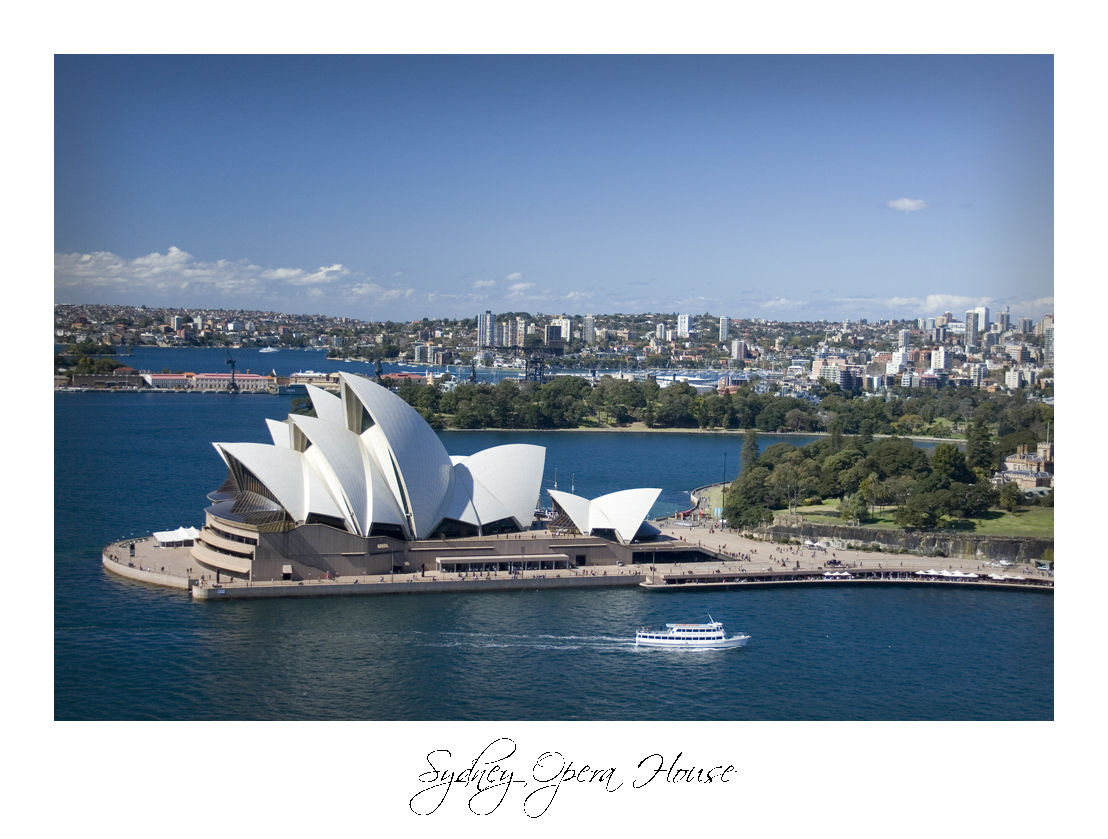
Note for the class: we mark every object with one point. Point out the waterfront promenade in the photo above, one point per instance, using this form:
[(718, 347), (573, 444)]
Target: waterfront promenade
[(726, 555)]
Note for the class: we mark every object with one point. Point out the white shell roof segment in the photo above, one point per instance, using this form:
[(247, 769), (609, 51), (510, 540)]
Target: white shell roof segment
[(327, 405), (396, 464), (280, 432), (420, 457), (512, 474), (287, 475), (623, 511), (341, 456)]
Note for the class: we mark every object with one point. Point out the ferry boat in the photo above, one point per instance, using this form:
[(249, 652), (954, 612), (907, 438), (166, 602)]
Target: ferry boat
[(270, 349), (701, 636)]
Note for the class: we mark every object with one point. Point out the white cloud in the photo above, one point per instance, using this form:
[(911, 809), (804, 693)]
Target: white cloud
[(782, 303), (484, 284), (282, 273), (177, 271), (380, 292), (323, 275), (906, 205), (1040, 304), (929, 306), (516, 276), (518, 287)]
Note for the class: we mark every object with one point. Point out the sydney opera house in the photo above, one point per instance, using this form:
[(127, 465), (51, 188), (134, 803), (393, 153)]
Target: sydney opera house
[(367, 487)]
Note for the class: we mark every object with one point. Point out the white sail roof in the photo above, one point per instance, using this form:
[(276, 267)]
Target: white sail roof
[(426, 474), (511, 474), (280, 432), (623, 511), (327, 405), (369, 458)]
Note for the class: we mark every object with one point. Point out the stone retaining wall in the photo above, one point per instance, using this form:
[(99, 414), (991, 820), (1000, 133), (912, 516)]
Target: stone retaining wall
[(958, 545)]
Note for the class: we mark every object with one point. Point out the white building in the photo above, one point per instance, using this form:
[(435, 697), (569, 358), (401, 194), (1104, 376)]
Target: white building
[(978, 374), (982, 319), (724, 329), (486, 329), (566, 325), (367, 487), (590, 330), (971, 331), (682, 326)]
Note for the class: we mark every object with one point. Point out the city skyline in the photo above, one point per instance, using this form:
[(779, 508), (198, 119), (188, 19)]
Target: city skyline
[(400, 187)]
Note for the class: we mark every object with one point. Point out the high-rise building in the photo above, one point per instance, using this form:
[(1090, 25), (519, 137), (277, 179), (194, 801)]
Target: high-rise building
[(982, 319), (1048, 346), (1026, 325), (1003, 320), (486, 329), (660, 331), (553, 333), (724, 328), (566, 325), (939, 360), (905, 338), (738, 349), (682, 326), (970, 335), (590, 329)]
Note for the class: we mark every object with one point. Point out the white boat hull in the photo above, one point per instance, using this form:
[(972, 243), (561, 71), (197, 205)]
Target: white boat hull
[(690, 636), (726, 643)]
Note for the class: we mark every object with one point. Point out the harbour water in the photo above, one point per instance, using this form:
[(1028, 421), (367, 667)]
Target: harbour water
[(133, 463)]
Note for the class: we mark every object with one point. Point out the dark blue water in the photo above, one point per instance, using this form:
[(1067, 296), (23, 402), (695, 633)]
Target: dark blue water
[(133, 463)]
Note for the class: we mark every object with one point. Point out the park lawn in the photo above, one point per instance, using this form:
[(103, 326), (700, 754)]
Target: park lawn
[(1029, 521)]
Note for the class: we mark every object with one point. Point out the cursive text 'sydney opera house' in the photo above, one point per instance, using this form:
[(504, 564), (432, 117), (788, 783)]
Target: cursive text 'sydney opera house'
[(354, 490)]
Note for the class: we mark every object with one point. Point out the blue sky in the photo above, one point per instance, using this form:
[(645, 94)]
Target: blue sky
[(402, 187)]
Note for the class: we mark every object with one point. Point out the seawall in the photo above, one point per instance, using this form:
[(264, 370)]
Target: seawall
[(136, 573), (240, 591)]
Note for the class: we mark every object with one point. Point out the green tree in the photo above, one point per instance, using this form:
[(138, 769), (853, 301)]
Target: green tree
[(854, 509), (920, 511), (979, 447), (949, 461), (302, 405), (836, 434), (1010, 497), (749, 455)]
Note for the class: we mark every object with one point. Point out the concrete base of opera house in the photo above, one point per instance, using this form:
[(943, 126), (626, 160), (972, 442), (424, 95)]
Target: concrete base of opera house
[(328, 588), (143, 560)]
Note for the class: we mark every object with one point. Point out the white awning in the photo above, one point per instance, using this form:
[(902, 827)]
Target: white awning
[(181, 534)]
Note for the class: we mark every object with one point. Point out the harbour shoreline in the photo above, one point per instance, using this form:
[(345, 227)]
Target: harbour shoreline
[(730, 560)]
